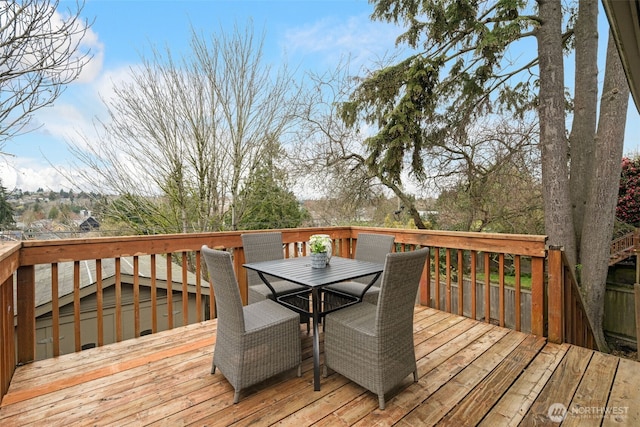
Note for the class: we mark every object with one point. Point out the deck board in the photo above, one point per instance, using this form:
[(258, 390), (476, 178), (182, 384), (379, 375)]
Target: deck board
[(593, 391), (477, 403), (454, 390), (624, 395), (561, 387), (470, 373), (516, 401)]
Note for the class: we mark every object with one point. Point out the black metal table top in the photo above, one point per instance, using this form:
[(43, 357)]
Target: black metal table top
[(298, 270)]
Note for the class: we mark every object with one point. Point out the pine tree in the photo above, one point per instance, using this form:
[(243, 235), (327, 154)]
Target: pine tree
[(6, 210)]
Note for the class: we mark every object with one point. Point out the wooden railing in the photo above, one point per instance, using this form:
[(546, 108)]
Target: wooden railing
[(9, 262), (568, 318), (456, 258), (624, 247)]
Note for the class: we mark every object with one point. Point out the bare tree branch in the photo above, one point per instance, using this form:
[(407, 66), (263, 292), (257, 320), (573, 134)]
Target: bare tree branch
[(40, 53), (186, 133)]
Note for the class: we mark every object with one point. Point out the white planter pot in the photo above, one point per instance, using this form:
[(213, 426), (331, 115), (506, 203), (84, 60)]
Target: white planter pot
[(319, 260), (326, 239)]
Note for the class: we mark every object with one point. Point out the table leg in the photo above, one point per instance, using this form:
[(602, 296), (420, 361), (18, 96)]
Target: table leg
[(315, 295), (364, 291)]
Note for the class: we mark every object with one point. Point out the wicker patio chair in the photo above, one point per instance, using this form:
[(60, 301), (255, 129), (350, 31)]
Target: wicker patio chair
[(372, 345), (369, 247), (267, 246), (254, 342)]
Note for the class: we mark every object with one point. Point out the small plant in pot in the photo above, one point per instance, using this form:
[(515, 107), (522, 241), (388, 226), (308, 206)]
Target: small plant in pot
[(320, 247)]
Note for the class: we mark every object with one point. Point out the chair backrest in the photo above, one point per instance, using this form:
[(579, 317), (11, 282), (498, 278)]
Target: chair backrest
[(261, 247), (373, 248), (398, 290), (225, 288)]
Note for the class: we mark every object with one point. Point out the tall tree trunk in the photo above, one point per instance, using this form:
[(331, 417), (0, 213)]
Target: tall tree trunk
[(602, 194), (553, 141), (583, 129)]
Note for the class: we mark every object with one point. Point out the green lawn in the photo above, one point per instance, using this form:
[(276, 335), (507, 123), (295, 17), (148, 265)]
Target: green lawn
[(525, 281)]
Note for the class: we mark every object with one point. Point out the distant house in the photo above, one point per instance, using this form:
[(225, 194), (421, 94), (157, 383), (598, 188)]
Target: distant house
[(88, 302), (88, 224)]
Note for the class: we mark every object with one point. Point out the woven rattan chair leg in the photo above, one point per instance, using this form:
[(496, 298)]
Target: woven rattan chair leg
[(236, 396), (213, 368), (381, 401), (300, 370), (415, 376)]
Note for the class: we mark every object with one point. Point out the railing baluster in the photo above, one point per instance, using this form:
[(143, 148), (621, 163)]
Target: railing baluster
[(501, 288), (199, 314), (77, 336), (169, 293), (460, 283), (474, 262), (517, 310), (154, 295), (448, 280), (55, 310), (436, 272), (118, 307), (99, 303), (26, 294), (487, 288), (136, 296), (185, 291)]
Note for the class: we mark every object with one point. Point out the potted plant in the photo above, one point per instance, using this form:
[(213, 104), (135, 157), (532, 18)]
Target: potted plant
[(320, 247)]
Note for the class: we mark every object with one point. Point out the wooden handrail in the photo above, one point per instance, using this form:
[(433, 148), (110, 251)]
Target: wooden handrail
[(624, 247), (459, 271)]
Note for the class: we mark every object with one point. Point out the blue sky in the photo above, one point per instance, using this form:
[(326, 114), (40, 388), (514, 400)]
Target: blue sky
[(310, 34)]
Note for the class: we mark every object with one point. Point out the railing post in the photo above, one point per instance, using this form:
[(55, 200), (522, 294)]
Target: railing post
[(26, 296), (556, 315), (537, 296), (425, 283), (7, 337)]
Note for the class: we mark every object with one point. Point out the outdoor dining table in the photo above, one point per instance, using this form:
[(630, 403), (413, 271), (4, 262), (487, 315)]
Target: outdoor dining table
[(298, 270)]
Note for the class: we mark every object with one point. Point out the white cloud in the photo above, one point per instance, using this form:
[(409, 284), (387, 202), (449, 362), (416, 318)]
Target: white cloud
[(72, 114), (360, 38), (93, 67), (30, 174), (90, 43), (80, 105)]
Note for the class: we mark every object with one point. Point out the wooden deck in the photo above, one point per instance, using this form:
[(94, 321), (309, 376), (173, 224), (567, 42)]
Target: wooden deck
[(470, 373)]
